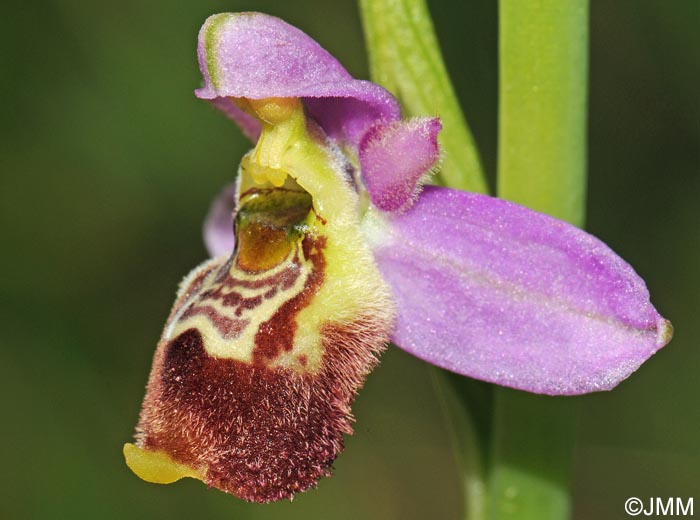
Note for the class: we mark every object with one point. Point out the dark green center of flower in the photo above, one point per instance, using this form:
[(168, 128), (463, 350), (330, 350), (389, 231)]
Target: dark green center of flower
[(268, 224)]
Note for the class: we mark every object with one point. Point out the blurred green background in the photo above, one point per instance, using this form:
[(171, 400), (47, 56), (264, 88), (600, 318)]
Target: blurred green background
[(108, 164)]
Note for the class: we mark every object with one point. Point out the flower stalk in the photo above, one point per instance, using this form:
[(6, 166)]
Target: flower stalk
[(542, 164), (405, 58), (543, 71), (466, 407), (543, 57)]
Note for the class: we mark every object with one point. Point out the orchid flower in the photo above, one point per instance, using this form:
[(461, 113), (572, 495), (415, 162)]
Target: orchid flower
[(327, 248)]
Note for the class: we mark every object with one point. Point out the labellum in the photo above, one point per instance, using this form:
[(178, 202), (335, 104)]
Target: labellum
[(265, 348)]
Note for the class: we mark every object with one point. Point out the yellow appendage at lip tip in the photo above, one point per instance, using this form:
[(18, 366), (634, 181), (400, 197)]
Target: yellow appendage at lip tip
[(156, 466)]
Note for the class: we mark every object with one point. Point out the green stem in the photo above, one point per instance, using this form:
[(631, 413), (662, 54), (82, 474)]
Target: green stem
[(533, 445), (543, 56), (405, 58), (543, 50), (467, 442)]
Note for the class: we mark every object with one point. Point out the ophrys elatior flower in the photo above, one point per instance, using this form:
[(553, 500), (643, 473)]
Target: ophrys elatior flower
[(335, 253)]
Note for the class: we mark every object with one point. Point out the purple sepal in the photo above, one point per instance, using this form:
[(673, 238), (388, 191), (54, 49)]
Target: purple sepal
[(395, 157), (258, 56), (218, 226), (492, 290)]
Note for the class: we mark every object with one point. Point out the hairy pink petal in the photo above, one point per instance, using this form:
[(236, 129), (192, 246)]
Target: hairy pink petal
[(395, 157), (218, 226), (495, 291)]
